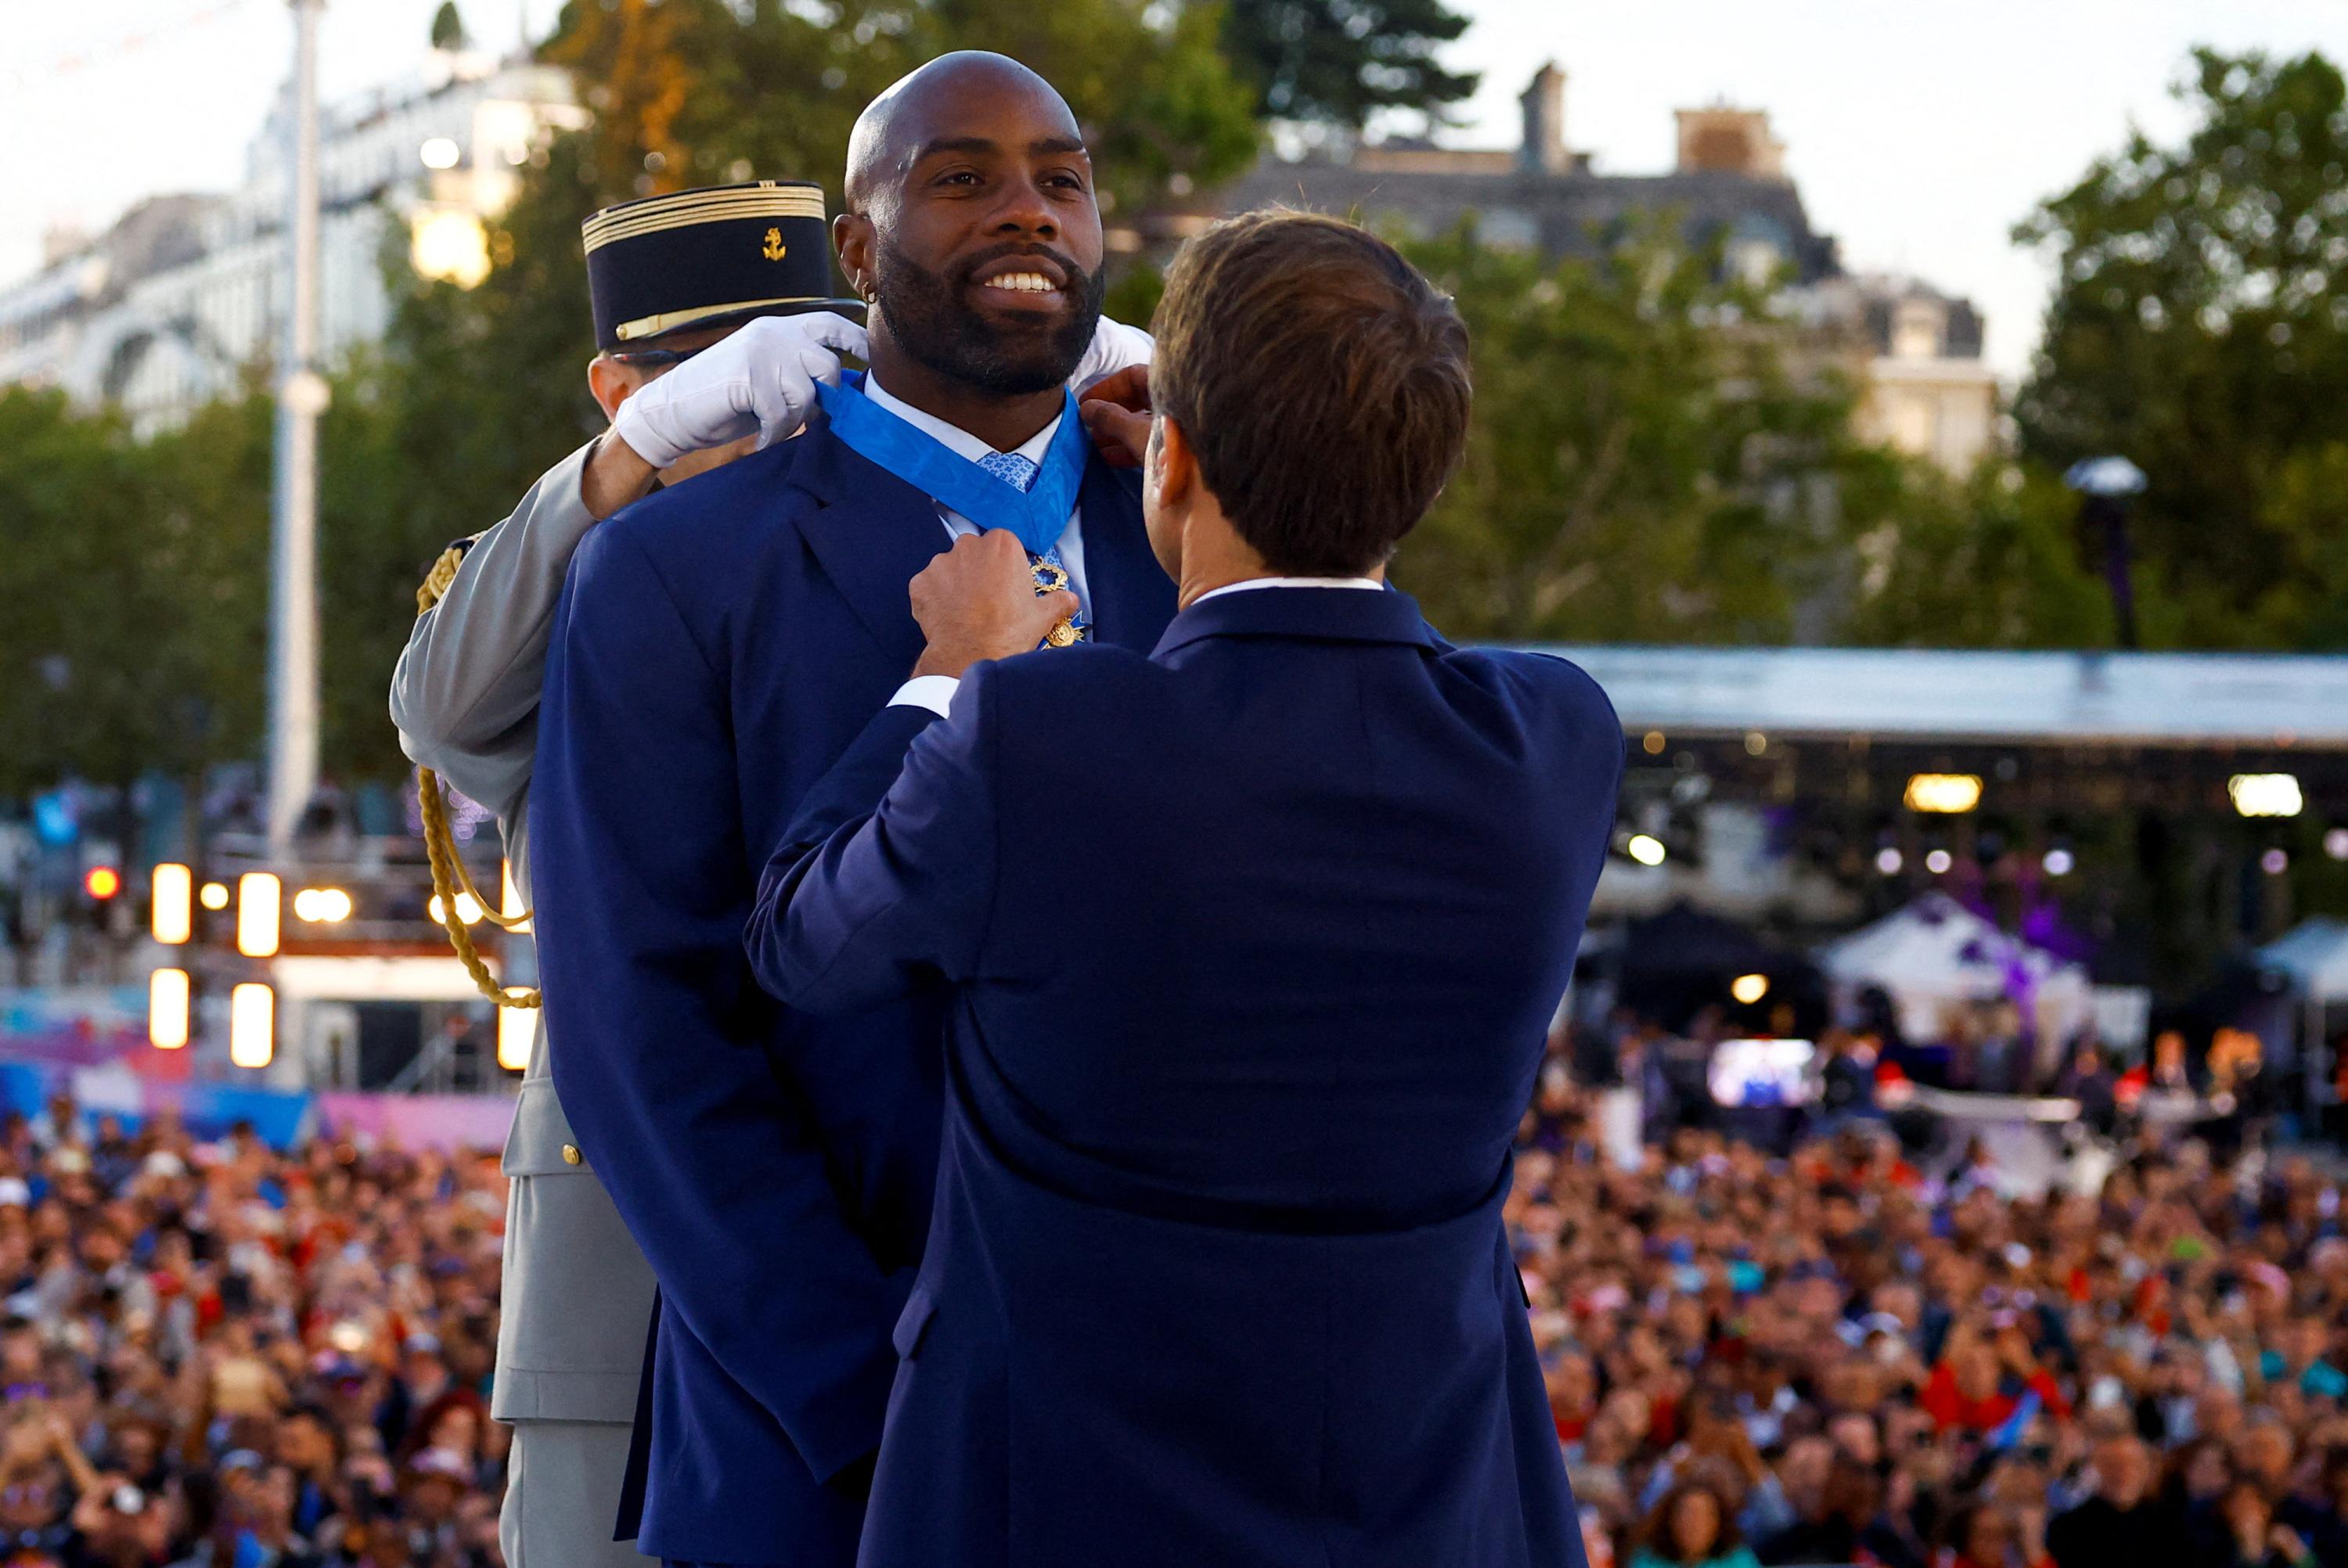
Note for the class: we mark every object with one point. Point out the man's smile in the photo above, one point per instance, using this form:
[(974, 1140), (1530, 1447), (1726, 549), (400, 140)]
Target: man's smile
[(1027, 280)]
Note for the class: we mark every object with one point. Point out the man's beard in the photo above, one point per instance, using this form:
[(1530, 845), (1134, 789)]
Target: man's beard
[(928, 319)]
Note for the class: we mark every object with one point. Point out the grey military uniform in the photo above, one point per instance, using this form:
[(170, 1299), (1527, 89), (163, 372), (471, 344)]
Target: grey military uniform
[(578, 1295)]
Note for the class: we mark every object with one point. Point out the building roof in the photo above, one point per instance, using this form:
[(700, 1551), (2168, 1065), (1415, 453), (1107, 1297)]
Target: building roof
[(2185, 699), (1572, 212)]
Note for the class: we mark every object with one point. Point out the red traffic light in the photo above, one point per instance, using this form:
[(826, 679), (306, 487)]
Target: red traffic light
[(103, 882)]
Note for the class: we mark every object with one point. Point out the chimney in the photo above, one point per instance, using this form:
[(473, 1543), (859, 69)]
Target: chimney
[(1543, 149), (61, 239)]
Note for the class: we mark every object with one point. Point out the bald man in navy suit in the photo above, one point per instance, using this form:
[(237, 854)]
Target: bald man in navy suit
[(1248, 946)]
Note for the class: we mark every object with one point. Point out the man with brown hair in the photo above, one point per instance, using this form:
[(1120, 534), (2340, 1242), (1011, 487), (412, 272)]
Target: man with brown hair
[(1249, 947)]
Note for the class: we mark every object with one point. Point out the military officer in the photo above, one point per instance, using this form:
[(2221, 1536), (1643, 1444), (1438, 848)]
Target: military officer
[(714, 325)]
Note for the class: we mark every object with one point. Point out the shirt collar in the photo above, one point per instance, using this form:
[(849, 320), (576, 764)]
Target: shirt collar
[(1373, 584), (955, 439), (1390, 616)]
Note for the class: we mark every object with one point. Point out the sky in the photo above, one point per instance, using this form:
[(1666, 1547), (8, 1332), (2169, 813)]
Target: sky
[(1919, 131)]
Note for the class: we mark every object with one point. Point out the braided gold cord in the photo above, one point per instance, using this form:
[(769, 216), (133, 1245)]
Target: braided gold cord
[(449, 878)]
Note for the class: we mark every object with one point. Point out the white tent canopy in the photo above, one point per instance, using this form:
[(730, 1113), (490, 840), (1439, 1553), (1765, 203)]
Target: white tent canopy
[(1935, 954), (2314, 954)]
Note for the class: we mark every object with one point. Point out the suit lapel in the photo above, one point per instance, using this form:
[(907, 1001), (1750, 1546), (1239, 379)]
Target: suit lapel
[(1133, 598), (872, 533)]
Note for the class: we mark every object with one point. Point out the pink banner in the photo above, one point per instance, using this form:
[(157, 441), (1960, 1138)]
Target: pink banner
[(420, 1120)]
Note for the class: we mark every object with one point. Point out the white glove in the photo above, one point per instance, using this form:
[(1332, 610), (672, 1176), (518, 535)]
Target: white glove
[(1114, 347), (760, 381)]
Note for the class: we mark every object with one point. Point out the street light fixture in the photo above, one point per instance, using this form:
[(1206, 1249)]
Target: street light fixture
[(2105, 486)]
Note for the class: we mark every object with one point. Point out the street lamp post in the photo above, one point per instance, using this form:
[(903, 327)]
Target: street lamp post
[(2105, 486), (293, 522)]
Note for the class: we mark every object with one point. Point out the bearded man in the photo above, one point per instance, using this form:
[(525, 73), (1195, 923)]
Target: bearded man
[(717, 648)]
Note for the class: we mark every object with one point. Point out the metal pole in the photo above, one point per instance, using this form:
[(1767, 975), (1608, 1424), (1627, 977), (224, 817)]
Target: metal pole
[(293, 524)]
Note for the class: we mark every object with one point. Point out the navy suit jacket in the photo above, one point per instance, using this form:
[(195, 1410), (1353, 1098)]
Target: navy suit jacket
[(716, 649), (1252, 947)]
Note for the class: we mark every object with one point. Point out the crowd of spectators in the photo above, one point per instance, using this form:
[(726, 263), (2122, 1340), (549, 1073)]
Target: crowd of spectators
[(219, 1354), (1830, 1356), (225, 1356)]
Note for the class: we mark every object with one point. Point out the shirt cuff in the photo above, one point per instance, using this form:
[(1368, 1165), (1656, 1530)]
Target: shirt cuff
[(934, 693)]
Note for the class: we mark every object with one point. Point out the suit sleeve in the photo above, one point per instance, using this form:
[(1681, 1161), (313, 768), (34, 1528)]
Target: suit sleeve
[(886, 880), (465, 693), (661, 1061)]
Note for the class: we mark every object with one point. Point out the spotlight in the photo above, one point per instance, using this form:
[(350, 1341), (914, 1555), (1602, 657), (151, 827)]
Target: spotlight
[(517, 1030), (2060, 862), (468, 909), (1888, 861), (259, 896), (322, 906), (251, 1025), (1646, 849), (1944, 795), (167, 1008), (1749, 988), (1938, 862), (173, 916), (2265, 794)]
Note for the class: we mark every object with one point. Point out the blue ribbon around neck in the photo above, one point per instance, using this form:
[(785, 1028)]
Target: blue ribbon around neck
[(1036, 515)]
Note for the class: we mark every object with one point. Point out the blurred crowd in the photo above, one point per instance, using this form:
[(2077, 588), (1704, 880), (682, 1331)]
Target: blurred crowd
[(220, 1356), (1831, 1356)]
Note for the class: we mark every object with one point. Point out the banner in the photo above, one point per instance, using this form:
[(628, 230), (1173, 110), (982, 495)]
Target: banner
[(447, 1122)]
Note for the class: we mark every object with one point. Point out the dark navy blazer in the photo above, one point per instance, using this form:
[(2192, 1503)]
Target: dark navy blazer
[(1252, 944), (716, 649)]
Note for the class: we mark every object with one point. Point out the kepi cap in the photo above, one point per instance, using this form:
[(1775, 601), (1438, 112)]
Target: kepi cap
[(707, 258)]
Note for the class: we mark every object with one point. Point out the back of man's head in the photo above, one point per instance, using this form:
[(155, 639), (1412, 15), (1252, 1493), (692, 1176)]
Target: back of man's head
[(1322, 382)]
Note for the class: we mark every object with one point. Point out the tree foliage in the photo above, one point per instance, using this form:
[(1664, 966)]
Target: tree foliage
[(2199, 327), (693, 92), (1338, 62), (1992, 560), (137, 582), (1653, 458)]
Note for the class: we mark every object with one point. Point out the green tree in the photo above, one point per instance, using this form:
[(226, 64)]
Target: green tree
[(1990, 561), (1651, 458), (1338, 62), (2199, 327), (691, 92), (448, 26), (137, 581)]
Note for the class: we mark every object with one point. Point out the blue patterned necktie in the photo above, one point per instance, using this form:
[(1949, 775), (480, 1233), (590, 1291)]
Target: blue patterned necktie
[(1049, 570)]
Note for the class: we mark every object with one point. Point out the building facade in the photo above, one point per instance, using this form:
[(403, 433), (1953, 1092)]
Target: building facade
[(1915, 352), (183, 297)]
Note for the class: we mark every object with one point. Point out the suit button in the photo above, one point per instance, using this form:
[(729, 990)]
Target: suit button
[(571, 1154)]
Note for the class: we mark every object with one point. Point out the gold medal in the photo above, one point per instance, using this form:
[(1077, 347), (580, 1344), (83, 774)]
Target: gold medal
[(1050, 578)]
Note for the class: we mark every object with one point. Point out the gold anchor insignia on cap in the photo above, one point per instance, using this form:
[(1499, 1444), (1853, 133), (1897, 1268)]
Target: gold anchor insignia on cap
[(773, 249)]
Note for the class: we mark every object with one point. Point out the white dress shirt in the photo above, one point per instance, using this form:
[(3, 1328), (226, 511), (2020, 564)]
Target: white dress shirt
[(936, 692), (962, 444)]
